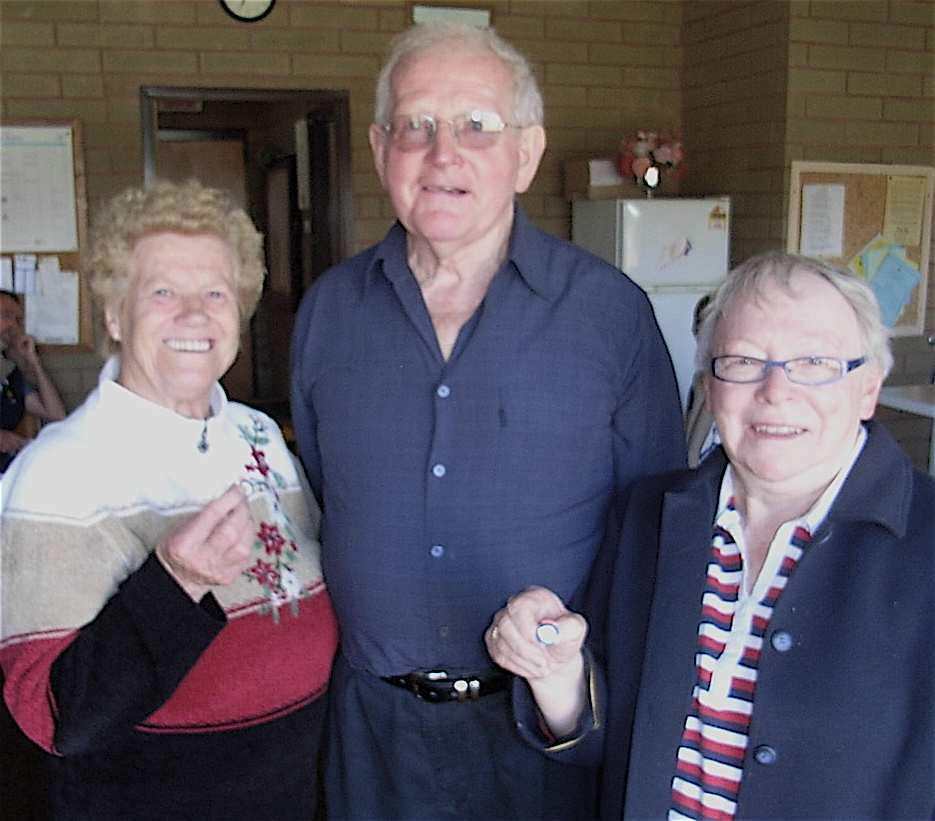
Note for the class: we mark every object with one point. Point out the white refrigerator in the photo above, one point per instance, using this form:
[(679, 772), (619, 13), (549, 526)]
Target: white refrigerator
[(675, 249)]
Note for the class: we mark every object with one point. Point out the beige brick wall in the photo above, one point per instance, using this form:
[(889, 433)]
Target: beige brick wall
[(734, 113), (860, 81), (752, 84), (861, 90), (606, 68)]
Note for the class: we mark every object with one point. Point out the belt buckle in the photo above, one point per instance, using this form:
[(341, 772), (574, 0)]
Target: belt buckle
[(433, 676), (466, 689)]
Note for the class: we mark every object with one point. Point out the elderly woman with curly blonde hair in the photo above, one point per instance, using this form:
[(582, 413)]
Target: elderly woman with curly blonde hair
[(167, 636)]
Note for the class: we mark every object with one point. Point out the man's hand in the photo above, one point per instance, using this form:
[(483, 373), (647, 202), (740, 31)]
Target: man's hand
[(212, 548), (21, 350)]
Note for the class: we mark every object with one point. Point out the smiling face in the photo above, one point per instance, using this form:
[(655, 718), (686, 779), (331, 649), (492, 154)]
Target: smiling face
[(178, 325), (447, 196), (782, 437)]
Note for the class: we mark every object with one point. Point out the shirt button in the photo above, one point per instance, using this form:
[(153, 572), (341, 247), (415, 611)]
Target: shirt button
[(437, 550), (443, 391), (439, 470), (765, 755), (782, 641), (443, 632)]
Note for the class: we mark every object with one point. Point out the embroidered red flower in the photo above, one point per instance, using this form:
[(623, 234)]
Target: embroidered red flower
[(261, 465), (265, 574), (272, 539)]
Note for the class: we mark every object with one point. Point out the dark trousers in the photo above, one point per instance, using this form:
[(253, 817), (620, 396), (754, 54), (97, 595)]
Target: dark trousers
[(393, 756)]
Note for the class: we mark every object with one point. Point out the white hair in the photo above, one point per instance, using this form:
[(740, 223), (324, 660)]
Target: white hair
[(423, 37), (752, 276)]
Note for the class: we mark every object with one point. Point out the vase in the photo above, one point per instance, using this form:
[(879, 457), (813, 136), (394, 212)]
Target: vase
[(652, 177)]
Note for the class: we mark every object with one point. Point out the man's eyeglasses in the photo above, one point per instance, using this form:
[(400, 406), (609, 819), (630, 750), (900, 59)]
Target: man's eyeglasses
[(474, 130), (803, 370)]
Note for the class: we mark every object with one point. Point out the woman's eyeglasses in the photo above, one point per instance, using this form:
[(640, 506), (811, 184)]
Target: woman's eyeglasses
[(803, 370)]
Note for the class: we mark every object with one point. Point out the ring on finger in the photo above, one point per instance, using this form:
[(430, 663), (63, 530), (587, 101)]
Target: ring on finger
[(494, 633)]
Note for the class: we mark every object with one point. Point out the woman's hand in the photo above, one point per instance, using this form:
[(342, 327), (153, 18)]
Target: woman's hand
[(212, 548), (554, 670), (512, 636)]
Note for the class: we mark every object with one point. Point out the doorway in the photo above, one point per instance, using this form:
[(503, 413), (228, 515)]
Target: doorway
[(285, 155)]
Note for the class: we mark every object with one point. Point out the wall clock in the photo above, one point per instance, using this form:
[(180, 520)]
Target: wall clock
[(247, 11)]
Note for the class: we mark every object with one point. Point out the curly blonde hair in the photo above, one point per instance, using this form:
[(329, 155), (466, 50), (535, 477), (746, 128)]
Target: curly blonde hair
[(184, 208)]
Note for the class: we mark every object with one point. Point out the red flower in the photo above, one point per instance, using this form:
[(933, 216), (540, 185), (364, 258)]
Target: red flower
[(259, 457), (638, 153), (265, 574), (271, 537)]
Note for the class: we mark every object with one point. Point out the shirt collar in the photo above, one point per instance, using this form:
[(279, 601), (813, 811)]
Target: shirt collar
[(531, 257), (526, 252), (814, 516)]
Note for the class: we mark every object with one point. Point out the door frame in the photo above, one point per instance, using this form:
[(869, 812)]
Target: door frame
[(335, 102)]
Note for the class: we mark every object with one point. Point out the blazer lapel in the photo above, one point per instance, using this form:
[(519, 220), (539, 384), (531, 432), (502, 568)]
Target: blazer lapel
[(686, 518)]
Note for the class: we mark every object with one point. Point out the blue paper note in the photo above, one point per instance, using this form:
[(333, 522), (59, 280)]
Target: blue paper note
[(893, 283), (872, 257)]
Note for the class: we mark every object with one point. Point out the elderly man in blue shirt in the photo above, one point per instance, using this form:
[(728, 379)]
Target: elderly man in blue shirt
[(471, 399)]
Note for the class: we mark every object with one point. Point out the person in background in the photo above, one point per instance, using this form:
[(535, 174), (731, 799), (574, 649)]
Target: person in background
[(471, 399), (769, 646), (167, 636), (700, 431), (26, 387)]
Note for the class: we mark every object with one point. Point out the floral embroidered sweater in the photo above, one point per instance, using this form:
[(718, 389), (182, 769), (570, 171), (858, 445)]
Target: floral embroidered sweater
[(107, 662)]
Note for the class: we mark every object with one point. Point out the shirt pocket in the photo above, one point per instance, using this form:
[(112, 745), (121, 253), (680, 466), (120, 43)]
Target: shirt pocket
[(555, 428)]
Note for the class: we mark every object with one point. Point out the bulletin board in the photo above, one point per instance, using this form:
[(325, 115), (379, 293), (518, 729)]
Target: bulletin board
[(873, 220), (44, 218)]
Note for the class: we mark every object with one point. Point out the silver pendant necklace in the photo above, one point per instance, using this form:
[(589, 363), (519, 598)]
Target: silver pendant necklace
[(203, 441)]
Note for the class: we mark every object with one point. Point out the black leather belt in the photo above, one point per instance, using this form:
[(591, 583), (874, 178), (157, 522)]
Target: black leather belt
[(437, 686)]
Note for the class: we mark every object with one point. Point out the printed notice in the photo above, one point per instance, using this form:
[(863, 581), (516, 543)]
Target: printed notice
[(822, 221), (52, 308), (905, 207), (37, 201)]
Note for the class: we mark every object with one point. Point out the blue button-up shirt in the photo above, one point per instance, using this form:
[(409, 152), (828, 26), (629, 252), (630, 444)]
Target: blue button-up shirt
[(448, 486)]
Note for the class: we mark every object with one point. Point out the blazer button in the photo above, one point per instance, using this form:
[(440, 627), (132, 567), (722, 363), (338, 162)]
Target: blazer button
[(765, 755), (782, 641)]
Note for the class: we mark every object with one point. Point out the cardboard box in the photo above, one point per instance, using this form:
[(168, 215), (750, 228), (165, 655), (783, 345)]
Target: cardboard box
[(597, 179)]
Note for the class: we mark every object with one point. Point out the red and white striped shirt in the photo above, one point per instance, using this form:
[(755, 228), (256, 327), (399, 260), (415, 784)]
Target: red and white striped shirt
[(735, 614)]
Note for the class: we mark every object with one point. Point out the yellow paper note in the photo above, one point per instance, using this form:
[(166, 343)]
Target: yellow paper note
[(905, 206)]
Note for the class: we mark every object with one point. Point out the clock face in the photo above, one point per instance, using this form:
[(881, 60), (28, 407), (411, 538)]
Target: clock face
[(248, 10)]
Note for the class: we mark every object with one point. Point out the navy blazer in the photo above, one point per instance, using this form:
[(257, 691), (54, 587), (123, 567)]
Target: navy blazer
[(844, 710)]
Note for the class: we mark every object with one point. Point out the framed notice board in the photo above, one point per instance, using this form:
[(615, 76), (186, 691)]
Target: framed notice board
[(43, 228), (874, 220)]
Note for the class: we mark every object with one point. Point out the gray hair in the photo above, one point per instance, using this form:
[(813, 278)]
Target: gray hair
[(751, 278), (423, 37)]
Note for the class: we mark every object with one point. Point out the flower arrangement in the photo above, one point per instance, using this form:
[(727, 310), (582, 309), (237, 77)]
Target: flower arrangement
[(649, 155)]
